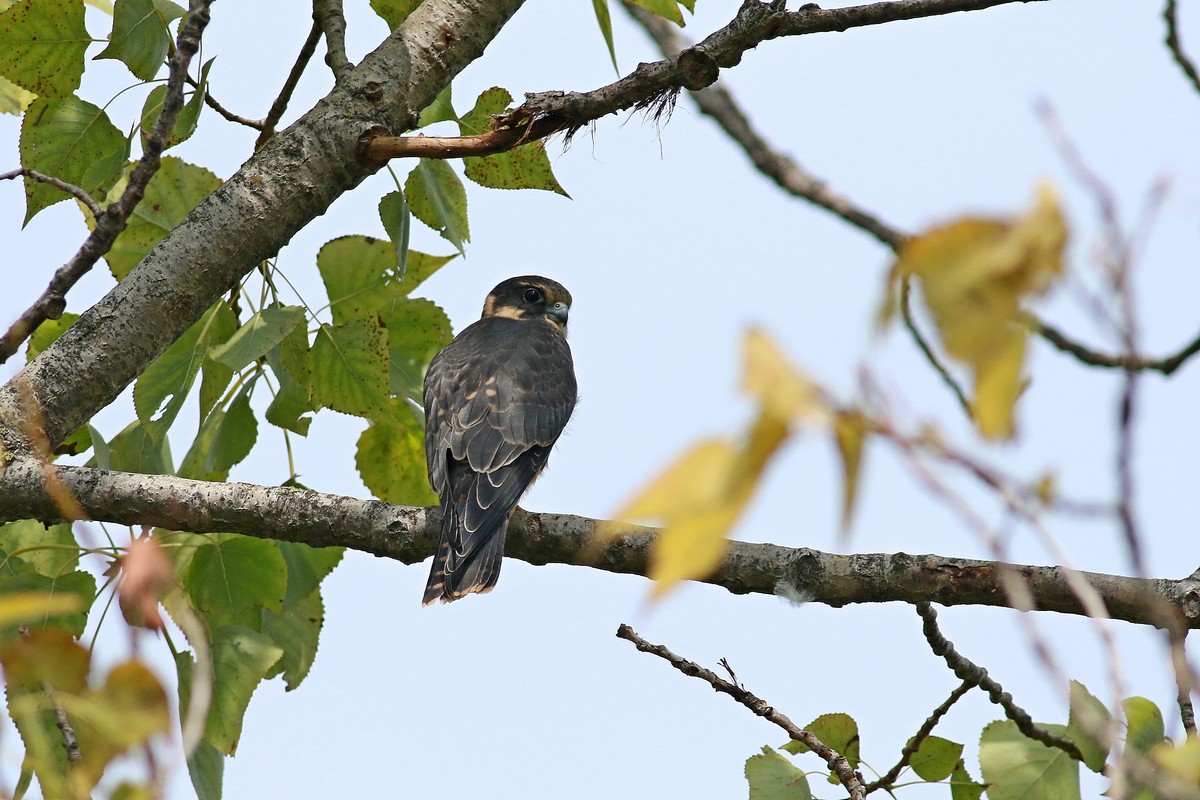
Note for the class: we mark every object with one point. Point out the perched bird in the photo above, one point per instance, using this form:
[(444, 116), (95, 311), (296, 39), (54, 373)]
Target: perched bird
[(496, 400)]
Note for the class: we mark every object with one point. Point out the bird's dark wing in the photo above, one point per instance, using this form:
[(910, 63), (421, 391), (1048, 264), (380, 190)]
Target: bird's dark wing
[(497, 399)]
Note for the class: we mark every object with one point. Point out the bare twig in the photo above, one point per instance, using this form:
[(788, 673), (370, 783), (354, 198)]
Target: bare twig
[(212, 103), (279, 106), (654, 85), (70, 188), (1171, 15), (110, 224), (976, 675), (332, 19), (1184, 679), (836, 761), (1130, 362), (717, 102), (914, 744), (911, 325), (65, 729)]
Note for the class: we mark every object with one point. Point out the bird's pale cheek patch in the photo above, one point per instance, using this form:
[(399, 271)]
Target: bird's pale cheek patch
[(506, 311)]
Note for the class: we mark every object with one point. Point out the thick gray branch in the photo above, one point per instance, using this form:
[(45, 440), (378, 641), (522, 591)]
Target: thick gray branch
[(288, 183), (410, 535)]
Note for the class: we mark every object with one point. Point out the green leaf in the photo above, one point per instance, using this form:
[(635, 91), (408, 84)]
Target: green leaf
[(1018, 768), (42, 43), (394, 12), (773, 777), (141, 447), (232, 579), (358, 276), (838, 731), (47, 334), (14, 99), (391, 459), (1087, 714), (214, 376), (289, 362), (49, 551), (350, 368), (172, 374), (226, 437), (397, 221), (524, 167), (667, 9), (936, 758), (241, 659), (417, 330), (80, 585), (604, 20), (297, 630), (185, 121), (172, 193), (1144, 725), (307, 567), (73, 141), (257, 336), (139, 38), (420, 267), (31, 661), (962, 786), (436, 197), (207, 770), (440, 110)]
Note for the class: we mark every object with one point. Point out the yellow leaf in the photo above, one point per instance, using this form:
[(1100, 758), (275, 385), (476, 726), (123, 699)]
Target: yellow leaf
[(998, 384), (1183, 761), (783, 390), (974, 275), (22, 607), (849, 433), (691, 549)]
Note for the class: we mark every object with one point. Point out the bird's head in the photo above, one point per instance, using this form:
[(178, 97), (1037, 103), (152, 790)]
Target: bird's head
[(530, 297)]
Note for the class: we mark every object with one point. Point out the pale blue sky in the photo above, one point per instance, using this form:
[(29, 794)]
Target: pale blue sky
[(671, 247)]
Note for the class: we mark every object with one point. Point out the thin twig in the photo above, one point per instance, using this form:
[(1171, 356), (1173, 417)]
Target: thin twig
[(914, 744), (911, 325), (976, 675), (1183, 679), (212, 103), (332, 19), (70, 740), (1135, 363), (289, 85), (112, 222), (1171, 15), (70, 188), (836, 761)]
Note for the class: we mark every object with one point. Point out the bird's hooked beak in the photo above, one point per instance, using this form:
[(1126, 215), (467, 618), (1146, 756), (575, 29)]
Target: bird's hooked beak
[(559, 311)]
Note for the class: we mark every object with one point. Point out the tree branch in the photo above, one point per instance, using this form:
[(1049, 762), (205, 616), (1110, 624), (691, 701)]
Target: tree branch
[(654, 86), (332, 19), (283, 187), (70, 188), (279, 106), (30, 489), (966, 670), (111, 222), (1133, 363), (836, 761), (888, 780), (718, 103), (1171, 15)]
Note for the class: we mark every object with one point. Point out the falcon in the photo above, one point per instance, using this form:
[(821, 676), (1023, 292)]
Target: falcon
[(496, 400)]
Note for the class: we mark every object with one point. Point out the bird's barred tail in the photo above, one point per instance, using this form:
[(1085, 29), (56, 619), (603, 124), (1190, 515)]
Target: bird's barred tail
[(475, 570)]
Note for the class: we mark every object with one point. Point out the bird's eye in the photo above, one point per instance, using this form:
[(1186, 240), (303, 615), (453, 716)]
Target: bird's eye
[(533, 295)]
